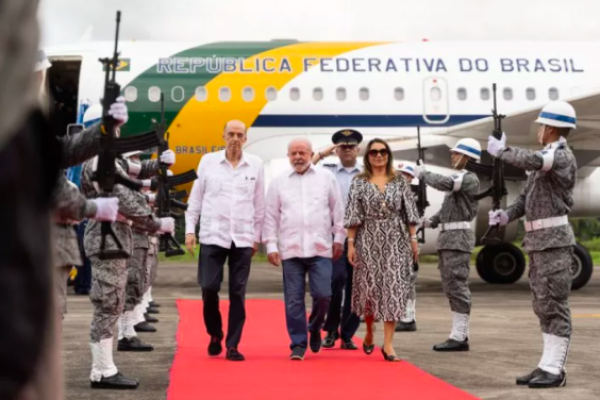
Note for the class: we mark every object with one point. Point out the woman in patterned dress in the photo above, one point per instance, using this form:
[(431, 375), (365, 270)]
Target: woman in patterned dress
[(381, 218)]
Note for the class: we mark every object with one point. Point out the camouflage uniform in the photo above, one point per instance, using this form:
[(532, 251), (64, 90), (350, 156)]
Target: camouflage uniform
[(548, 193), (455, 246), (109, 277)]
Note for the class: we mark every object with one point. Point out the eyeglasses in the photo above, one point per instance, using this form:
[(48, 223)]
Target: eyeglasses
[(347, 146), (381, 152)]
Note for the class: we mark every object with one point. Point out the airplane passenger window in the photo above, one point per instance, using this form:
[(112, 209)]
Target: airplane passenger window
[(154, 94), (553, 93), (399, 94), (131, 93), (461, 93), (507, 93), (485, 93), (271, 93), (177, 94), (435, 93), (318, 94), (363, 94), (530, 93), (295, 94), (224, 94), (248, 93), (340, 94), (201, 93)]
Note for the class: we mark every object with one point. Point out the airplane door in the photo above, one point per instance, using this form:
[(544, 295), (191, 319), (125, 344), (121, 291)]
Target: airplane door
[(435, 101)]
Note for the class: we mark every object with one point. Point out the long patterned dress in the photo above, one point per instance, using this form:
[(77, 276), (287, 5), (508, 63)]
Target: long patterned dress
[(381, 278)]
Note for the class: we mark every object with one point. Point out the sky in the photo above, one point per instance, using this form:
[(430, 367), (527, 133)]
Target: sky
[(66, 21)]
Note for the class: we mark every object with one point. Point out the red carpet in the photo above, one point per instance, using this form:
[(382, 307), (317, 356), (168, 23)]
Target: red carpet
[(268, 374)]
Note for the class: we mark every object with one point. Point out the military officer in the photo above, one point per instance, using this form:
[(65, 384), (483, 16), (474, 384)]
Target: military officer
[(407, 322), (339, 315), (109, 277), (456, 239), (546, 201)]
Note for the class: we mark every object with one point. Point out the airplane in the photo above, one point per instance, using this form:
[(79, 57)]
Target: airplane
[(284, 89)]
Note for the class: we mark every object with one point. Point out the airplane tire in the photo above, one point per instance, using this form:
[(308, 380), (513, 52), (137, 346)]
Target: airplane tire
[(584, 266), (500, 264)]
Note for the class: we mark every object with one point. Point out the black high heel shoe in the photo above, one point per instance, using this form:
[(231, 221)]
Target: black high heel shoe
[(368, 348), (387, 357)]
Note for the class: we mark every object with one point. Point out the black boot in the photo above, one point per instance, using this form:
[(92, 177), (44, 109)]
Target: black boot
[(144, 327), (452, 345), (153, 304), (133, 344), (149, 318), (547, 380), (117, 381), (406, 326), (524, 379), (330, 339), (152, 310)]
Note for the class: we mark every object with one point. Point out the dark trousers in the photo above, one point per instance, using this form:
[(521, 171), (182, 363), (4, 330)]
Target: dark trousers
[(294, 282), (83, 280), (341, 281), (210, 276)]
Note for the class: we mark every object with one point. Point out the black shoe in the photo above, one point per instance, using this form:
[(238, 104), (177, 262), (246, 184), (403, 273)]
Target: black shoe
[(406, 326), (133, 344), (524, 380), (144, 327), (315, 341), (330, 339), (149, 318), (153, 304), (388, 357), (234, 355), (297, 353), (348, 344), (152, 310), (215, 348), (452, 345), (547, 380), (117, 381)]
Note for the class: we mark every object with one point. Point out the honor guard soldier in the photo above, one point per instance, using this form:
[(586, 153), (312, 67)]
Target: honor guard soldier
[(408, 321), (545, 202), (456, 239), (340, 316)]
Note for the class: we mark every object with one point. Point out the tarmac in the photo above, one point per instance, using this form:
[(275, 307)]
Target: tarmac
[(505, 338)]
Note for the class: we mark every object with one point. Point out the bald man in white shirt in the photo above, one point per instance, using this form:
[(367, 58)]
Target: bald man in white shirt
[(228, 196), (303, 209)]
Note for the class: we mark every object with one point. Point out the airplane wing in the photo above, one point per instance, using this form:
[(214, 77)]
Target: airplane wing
[(520, 130)]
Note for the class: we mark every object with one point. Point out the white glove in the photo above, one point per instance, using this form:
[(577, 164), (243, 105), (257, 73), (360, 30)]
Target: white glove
[(168, 157), (498, 217), (106, 208), (169, 172), (419, 169), (146, 183), (496, 146), (118, 111), (134, 168), (425, 223), (167, 225), (151, 197)]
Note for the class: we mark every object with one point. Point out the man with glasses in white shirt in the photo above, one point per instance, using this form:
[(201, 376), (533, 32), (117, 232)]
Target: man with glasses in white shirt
[(229, 197), (304, 210)]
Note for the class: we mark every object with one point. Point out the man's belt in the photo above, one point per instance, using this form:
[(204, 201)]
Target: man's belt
[(454, 226), (546, 223)]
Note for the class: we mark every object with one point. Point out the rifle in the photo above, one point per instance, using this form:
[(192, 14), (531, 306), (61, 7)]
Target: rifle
[(164, 199), (498, 188), (422, 202), (106, 173)]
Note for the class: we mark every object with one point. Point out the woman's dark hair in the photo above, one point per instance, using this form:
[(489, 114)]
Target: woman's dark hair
[(389, 168)]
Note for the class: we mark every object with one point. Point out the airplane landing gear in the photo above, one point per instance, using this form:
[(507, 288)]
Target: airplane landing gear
[(503, 263), (582, 268)]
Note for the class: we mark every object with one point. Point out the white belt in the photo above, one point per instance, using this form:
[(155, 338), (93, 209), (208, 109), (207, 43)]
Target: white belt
[(546, 223), (453, 226)]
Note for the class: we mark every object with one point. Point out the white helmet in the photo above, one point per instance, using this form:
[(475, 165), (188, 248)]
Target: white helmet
[(468, 147), (42, 63), (559, 114), (92, 115), (409, 169)]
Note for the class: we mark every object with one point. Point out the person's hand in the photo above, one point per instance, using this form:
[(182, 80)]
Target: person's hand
[(425, 223), (168, 157), (274, 258), (352, 254), (496, 146), (118, 110), (419, 169), (338, 250), (254, 249), (107, 208), (415, 249), (167, 225), (498, 217), (328, 151), (190, 242)]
